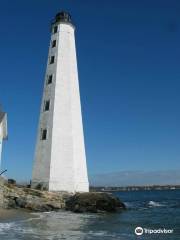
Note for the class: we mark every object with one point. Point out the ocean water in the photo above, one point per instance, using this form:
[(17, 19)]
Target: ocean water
[(148, 209)]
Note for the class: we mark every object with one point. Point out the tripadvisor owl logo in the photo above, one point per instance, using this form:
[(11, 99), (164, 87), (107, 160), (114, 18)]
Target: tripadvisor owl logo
[(138, 231)]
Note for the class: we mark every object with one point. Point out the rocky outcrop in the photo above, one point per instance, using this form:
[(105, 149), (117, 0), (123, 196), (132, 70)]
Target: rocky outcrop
[(1, 192), (94, 202), (31, 199), (12, 196)]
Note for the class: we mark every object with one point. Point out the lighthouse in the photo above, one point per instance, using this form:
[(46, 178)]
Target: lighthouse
[(60, 159), (3, 130)]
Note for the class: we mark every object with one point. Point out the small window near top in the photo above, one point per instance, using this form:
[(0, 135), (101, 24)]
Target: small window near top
[(44, 134), (55, 29), (53, 43), (49, 79), (52, 59), (46, 105)]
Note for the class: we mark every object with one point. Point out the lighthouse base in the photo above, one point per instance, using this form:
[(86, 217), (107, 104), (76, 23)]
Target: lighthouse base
[(58, 187)]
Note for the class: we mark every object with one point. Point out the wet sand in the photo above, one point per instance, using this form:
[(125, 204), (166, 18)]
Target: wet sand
[(7, 215)]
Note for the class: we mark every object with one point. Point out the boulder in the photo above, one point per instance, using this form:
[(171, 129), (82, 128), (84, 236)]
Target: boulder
[(94, 202), (20, 202), (11, 203), (39, 207), (14, 196)]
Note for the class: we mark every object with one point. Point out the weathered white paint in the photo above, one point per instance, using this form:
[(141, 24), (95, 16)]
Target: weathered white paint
[(3, 133), (60, 160), (1, 140)]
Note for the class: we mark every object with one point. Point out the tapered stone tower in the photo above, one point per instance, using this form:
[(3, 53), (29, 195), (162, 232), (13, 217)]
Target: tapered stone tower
[(60, 160)]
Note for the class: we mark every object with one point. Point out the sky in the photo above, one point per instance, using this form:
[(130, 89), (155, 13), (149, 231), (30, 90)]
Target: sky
[(136, 178), (129, 73)]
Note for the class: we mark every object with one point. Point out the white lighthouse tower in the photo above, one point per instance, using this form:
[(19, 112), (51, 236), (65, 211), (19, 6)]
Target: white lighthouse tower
[(3, 130), (60, 159)]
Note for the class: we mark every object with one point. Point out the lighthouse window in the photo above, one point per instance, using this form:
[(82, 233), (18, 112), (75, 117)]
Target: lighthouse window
[(44, 134), (52, 59), (46, 105), (53, 43), (55, 29), (49, 80)]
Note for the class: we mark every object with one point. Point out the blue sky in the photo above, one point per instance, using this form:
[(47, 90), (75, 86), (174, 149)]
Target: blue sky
[(129, 71)]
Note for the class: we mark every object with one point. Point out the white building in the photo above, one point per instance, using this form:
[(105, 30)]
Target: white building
[(60, 159), (3, 130)]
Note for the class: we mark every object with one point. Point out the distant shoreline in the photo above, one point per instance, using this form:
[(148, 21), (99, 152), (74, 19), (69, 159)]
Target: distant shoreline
[(135, 188)]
